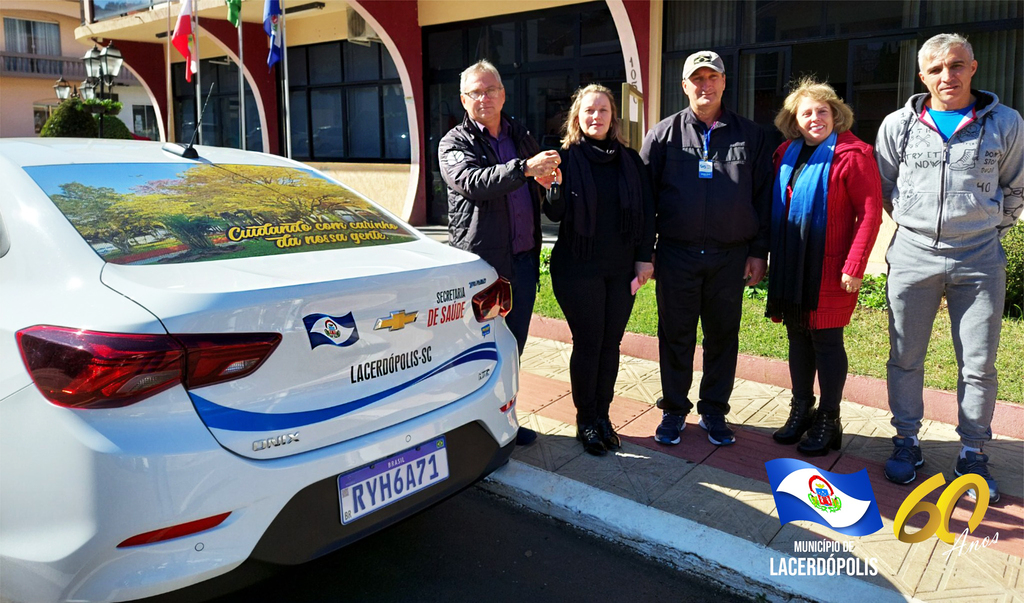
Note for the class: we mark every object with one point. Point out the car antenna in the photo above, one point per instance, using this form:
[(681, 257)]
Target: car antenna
[(189, 152)]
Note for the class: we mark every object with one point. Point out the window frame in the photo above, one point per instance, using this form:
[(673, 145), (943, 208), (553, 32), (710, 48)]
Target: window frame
[(342, 88), (31, 36)]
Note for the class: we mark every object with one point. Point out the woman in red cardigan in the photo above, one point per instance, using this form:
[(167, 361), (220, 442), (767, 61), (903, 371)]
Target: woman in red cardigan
[(826, 211)]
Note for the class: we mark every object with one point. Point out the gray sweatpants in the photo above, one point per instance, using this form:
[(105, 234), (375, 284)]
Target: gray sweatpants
[(974, 281)]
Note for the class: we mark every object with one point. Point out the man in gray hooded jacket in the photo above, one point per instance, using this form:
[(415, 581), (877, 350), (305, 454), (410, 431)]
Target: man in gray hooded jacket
[(952, 165)]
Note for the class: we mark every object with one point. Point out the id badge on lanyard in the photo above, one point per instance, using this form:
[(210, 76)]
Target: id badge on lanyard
[(705, 167)]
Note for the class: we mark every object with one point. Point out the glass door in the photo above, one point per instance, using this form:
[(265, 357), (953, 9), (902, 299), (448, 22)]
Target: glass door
[(882, 73), (763, 78)]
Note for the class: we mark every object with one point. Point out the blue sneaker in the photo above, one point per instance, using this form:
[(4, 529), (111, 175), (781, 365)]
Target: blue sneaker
[(719, 433), (670, 428), (902, 465), (977, 463)]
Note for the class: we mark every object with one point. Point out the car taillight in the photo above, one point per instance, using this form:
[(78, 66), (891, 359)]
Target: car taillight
[(493, 301), (222, 357), (89, 369), (86, 369)]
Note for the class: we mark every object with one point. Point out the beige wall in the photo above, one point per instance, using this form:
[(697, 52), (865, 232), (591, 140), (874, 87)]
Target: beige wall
[(384, 183), (653, 94), (434, 12), (19, 94), (324, 25), (64, 12), (876, 262)]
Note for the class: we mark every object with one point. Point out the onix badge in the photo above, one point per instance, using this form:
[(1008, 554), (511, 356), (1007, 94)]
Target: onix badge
[(395, 322)]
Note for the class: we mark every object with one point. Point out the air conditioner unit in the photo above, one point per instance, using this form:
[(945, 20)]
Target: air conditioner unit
[(359, 31)]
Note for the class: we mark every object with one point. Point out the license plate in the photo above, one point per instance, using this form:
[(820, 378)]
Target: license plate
[(372, 488)]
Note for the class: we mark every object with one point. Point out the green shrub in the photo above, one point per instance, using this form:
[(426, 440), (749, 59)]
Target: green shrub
[(113, 128), (1013, 244), (70, 120), (758, 292), (110, 107), (872, 292), (545, 260)]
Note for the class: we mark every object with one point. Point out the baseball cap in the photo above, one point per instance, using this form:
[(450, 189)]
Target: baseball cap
[(704, 58)]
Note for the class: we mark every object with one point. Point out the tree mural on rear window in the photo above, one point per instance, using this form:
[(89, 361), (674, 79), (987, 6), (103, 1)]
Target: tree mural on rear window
[(170, 213)]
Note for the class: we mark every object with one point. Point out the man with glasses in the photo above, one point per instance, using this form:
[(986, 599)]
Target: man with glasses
[(488, 162)]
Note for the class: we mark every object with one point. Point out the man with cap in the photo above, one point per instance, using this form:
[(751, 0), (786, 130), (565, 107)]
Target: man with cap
[(712, 176)]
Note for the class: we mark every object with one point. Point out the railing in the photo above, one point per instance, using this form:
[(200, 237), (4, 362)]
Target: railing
[(51, 67)]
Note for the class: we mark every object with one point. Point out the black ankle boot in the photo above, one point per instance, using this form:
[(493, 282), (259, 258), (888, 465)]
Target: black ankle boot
[(801, 414), (825, 433), (591, 439), (609, 438)]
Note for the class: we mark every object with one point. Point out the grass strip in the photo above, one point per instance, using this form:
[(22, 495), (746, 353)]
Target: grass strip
[(867, 340)]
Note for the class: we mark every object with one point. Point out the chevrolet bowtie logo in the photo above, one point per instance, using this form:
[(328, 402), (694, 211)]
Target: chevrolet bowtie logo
[(396, 321)]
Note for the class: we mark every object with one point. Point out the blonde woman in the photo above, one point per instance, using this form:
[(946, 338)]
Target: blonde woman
[(826, 210), (606, 209)]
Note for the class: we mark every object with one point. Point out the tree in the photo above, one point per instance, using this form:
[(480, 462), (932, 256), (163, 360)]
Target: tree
[(99, 215)]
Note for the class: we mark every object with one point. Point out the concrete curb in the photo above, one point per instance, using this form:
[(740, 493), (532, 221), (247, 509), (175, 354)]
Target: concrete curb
[(939, 405), (736, 563)]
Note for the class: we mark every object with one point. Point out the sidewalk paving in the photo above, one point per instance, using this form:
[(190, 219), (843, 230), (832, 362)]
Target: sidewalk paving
[(710, 510)]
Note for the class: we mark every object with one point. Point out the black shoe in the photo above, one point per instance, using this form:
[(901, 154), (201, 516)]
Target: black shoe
[(719, 433), (825, 433), (609, 438), (801, 414), (591, 439), (525, 436), (977, 464)]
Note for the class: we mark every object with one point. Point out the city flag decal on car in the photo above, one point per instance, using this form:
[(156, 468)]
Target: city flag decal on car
[(843, 502), (324, 329)]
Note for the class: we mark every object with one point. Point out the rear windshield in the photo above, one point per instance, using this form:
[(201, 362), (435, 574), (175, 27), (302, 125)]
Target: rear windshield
[(156, 213)]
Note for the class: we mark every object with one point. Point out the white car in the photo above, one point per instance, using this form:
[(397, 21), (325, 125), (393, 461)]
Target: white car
[(227, 358)]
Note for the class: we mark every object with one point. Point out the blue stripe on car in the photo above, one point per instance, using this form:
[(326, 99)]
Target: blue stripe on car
[(230, 419)]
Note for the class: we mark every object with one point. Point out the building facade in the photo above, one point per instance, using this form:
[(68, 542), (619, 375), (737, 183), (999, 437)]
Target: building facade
[(37, 47), (372, 85)]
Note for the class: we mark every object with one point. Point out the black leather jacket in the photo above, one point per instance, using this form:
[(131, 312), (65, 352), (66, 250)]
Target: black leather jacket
[(478, 185)]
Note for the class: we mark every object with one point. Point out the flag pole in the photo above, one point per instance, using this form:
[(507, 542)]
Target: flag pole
[(169, 97), (287, 92), (199, 87), (241, 84)]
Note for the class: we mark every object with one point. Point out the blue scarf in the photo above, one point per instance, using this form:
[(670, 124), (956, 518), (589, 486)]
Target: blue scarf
[(798, 238)]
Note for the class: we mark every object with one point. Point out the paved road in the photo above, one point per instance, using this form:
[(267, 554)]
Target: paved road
[(477, 547)]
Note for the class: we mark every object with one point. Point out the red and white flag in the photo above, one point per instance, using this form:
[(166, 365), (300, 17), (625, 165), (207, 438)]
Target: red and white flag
[(182, 38)]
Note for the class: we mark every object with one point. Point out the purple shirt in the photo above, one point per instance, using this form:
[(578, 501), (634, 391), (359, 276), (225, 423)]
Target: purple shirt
[(520, 204)]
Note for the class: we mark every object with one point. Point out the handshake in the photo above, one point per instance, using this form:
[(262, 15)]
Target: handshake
[(543, 167)]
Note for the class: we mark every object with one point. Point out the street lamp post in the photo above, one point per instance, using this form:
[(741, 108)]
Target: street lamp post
[(101, 68), (63, 89)]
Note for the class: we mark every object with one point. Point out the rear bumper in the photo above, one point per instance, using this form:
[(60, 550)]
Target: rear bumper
[(309, 525)]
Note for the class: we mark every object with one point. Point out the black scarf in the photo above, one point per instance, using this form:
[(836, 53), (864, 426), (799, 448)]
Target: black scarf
[(581, 196)]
